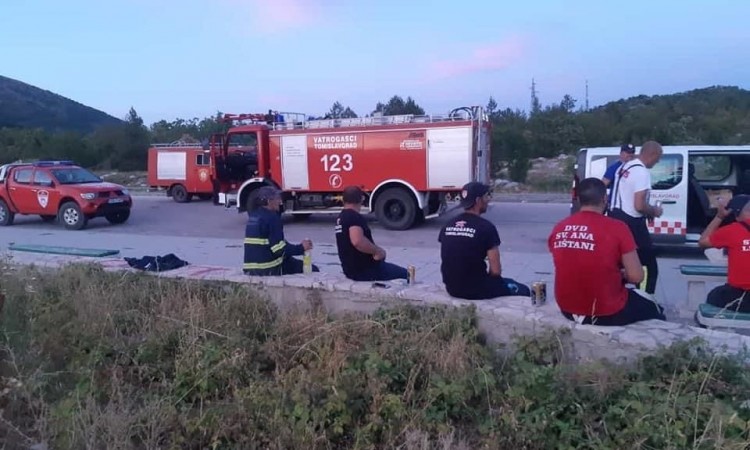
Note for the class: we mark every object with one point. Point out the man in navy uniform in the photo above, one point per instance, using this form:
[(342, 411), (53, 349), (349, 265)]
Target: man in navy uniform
[(266, 250)]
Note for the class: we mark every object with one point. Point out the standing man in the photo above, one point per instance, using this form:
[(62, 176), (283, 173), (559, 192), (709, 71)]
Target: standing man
[(735, 237), (630, 204), (627, 154), (361, 259), (266, 250), (594, 257), (465, 243)]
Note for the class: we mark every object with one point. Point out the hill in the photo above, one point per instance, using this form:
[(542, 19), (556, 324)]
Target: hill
[(26, 106), (717, 115)]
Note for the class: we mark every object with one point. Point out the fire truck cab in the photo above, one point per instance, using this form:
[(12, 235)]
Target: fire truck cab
[(409, 166)]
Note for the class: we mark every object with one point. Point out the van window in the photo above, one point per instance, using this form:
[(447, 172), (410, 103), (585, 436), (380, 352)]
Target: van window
[(667, 173), (711, 168)]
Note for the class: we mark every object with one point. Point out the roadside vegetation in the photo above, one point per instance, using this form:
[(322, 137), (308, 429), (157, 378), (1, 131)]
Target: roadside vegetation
[(95, 360), (37, 126)]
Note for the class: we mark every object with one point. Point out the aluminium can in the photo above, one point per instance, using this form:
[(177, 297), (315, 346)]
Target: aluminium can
[(538, 293)]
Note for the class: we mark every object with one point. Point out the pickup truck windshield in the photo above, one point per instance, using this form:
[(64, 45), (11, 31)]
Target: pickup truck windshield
[(75, 176)]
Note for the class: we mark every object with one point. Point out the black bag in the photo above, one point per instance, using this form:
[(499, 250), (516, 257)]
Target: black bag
[(157, 263)]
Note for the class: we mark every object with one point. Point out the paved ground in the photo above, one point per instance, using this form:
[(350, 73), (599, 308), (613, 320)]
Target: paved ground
[(206, 234), (523, 226)]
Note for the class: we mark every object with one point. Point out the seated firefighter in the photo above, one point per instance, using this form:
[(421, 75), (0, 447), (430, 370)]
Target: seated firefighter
[(735, 237), (465, 243), (594, 257), (266, 250), (361, 259)]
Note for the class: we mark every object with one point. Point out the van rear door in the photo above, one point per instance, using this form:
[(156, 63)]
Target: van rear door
[(669, 187)]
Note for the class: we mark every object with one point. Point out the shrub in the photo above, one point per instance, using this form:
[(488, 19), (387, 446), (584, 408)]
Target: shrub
[(119, 361)]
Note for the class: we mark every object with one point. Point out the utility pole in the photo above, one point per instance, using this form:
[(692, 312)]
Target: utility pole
[(534, 99), (587, 95)]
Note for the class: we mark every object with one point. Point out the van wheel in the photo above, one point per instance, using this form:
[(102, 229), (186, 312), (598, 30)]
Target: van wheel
[(180, 194), (71, 217), (6, 216), (396, 209)]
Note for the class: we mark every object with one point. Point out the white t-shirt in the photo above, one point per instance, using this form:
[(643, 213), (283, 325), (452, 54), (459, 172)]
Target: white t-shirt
[(630, 178)]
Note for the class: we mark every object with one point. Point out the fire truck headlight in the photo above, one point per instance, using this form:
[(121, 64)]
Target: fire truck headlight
[(88, 195)]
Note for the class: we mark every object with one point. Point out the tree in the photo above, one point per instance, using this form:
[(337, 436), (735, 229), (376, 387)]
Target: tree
[(491, 107), (397, 106), (338, 111)]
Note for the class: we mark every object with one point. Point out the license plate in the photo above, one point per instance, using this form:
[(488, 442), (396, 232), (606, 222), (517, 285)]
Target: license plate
[(116, 200)]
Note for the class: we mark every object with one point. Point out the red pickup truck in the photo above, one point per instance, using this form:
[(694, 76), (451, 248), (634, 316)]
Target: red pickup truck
[(60, 190)]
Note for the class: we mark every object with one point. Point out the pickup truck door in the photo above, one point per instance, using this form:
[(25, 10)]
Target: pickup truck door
[(21, 191), (46, 195)]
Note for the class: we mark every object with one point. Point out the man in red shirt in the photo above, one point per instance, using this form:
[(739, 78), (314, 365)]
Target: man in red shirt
[(594, 257), (735, 237)]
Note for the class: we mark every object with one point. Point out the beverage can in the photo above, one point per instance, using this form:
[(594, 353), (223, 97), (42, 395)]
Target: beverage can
[(307, 262), (538, 293), (412, 273)]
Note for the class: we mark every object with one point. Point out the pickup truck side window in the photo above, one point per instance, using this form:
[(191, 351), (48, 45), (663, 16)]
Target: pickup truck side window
[(22, 176), (42, 178)]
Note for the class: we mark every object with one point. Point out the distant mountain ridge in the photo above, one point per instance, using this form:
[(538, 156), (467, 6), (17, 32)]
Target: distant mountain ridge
[(25, 106)]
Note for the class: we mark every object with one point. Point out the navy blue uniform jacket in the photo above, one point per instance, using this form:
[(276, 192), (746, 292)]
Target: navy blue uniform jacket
[(265, 246)]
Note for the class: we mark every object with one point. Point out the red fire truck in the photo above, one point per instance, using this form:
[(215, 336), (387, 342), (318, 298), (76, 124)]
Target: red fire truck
[(409, 166), (182, 169)]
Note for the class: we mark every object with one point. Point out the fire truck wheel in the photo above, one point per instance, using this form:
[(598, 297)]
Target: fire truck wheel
[(6, 216), (180, 194), (71, 216), (396, 209), (118, 217)]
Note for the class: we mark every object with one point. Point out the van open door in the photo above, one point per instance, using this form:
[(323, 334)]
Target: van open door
[(669, 188)]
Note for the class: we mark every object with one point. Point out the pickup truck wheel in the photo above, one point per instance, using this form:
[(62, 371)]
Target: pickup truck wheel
[(48, 218), (118, 217), (396, 209), (6, 216), (71, 217), (180, 194)]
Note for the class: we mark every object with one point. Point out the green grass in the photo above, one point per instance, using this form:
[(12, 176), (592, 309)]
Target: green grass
[(130, 361)]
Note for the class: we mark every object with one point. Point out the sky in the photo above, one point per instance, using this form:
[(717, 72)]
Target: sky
[(173, 59)]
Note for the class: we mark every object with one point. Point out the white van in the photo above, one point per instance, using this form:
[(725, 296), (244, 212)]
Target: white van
[(687, 181)]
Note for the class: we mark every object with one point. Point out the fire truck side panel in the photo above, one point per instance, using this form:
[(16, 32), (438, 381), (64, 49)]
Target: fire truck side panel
[(188, 167), (295, 172), (450, 157), (397, 154), (274, 154)]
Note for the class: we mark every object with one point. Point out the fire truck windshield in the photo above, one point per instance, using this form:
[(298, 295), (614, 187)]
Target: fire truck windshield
[(243, 140), (77, 175)]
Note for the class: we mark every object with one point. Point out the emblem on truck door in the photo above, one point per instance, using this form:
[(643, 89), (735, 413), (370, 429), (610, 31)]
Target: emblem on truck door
[(203, 175), (42, 197), (335, 181)]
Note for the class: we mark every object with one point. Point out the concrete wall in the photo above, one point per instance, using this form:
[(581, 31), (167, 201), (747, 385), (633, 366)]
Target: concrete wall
[(500, 319)]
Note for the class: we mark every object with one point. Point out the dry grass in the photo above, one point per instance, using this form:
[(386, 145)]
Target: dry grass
[(99, 360)]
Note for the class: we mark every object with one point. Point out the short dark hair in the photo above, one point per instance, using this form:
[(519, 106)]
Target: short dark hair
[(591, 192), (353, 195)]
